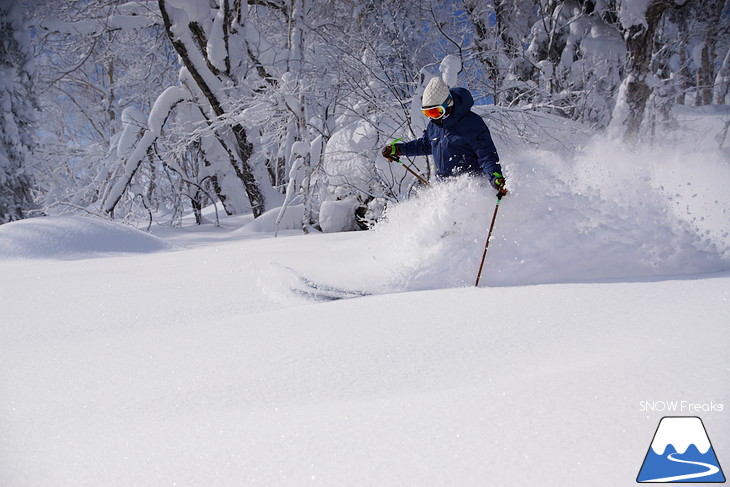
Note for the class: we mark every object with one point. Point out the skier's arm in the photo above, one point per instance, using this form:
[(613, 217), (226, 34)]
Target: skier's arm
[(418, 147)]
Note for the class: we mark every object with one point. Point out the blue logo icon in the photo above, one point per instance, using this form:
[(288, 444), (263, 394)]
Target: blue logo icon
[(681, 452)]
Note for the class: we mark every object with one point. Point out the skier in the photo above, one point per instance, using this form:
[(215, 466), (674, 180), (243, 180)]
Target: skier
[(458, 138)]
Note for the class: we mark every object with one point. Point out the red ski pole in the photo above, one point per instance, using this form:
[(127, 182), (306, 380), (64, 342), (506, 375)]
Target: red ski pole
[(420, 178), (500, 194)]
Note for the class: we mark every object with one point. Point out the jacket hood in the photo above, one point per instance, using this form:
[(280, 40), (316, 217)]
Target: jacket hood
[(463, 101)]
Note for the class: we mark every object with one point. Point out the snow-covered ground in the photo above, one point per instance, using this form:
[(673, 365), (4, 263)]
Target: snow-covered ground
[(199, 356)]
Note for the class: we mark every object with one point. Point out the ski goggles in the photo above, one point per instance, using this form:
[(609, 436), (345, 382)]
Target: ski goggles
[(438, 112)]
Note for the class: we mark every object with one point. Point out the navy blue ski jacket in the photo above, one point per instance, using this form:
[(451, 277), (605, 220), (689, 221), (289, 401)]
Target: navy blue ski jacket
[(459, 143)]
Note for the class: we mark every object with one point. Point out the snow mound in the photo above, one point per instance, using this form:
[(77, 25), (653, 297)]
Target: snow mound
[(563, 221), (338, 215), (73, 238), (266, 223)]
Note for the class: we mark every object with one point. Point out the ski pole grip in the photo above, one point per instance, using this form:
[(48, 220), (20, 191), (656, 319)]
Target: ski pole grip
[(392, 148)]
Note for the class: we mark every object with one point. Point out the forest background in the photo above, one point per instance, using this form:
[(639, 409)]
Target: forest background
[(142, 110)]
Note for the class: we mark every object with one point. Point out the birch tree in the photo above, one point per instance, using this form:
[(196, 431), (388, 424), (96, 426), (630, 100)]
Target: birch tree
[(205, 36), (95, 59)]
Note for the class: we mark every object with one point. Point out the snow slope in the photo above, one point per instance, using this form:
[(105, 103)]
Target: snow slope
[(193, 362), (174, 369)]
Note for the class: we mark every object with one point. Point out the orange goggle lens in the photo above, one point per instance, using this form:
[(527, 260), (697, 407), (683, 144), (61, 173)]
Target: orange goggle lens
[(434, 112)]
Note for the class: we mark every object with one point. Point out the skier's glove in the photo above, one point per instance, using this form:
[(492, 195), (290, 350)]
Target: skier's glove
[(392, 151), (497, 182)]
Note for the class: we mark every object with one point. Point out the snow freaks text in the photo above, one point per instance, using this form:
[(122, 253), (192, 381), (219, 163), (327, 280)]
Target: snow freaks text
[(683, 407)]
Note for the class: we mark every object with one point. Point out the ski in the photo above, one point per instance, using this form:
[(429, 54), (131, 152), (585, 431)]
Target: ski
[(324, 292)]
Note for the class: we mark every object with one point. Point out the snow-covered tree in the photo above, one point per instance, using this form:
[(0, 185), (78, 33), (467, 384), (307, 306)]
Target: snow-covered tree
[(712, 13), (578, 53), (377, 56), (95, 58), (16, 114), (640, 21), (561, 57), (500, 28), (239, 60)]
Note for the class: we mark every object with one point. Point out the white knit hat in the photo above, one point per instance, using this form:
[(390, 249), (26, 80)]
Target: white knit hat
[(435, 93)]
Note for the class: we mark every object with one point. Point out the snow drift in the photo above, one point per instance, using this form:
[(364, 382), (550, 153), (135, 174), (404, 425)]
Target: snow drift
[(73, 238)]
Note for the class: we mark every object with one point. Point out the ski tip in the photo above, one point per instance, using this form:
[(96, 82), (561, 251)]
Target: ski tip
[(321, 292)]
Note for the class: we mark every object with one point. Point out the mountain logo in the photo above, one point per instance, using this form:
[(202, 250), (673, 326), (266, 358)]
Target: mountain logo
[(680, 452)]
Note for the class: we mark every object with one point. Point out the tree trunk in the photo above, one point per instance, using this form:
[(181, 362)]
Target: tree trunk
[(486, 56), (640, 47), (722, 81), (683, 74), (241, 153), (705, 74)]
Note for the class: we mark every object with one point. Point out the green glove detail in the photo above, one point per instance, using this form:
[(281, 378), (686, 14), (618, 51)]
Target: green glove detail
[(391, 151)]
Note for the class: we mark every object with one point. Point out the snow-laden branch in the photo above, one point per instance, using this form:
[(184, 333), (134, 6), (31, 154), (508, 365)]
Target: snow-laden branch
[(92, 27), (164, 104)]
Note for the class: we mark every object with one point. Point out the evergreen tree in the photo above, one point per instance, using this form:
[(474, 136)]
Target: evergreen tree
[(16, 114)]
